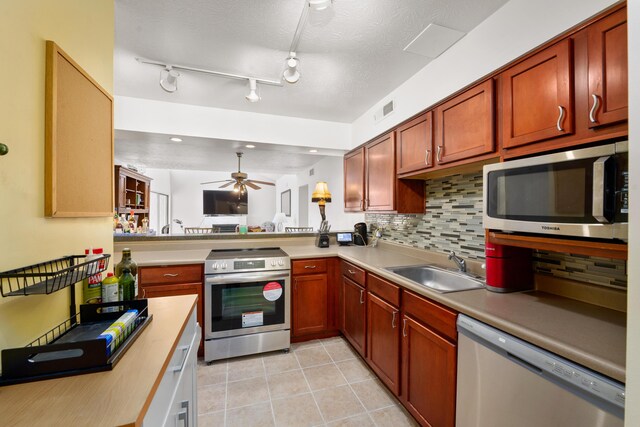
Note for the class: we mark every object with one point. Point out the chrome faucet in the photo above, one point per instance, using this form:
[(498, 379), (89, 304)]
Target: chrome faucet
[(462, 265)]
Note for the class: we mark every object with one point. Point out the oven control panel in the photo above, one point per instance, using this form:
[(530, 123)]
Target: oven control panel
[(241, 265)]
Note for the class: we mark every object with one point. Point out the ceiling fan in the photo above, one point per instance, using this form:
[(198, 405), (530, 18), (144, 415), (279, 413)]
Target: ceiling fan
[(240, 181)]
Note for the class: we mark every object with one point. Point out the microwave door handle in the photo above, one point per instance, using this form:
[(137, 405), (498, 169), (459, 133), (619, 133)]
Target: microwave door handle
[(599, 179)]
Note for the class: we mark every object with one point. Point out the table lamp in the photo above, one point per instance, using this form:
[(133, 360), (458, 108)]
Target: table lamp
[(322, 196)]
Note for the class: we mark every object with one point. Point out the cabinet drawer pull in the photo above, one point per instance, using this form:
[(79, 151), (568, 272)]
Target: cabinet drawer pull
[(393, 320), (185, 351), (361, 296), (439, 154), (404, 327), (427, 157), (184, 415), (351, 272), (309, 266), (594, 108), (560, 118), (171, 274)]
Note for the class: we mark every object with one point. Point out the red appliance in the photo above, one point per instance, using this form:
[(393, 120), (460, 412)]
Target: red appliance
[(508, 268)]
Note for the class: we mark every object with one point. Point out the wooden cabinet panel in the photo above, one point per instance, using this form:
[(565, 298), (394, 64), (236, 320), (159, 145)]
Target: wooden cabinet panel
[(380, 174), (354, 314), (608, 70), (167, 274), (309, 266), (464, 125), (438, 317), (383, 341), (414, 149), (384, 289), (310, 304), (428, 375), (354, 273), (354, 181), (537, 97)]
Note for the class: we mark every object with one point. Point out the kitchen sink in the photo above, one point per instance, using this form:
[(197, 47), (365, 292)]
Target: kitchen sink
[(437, 278)]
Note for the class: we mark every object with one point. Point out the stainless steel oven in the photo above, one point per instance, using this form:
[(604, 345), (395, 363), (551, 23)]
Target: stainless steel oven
[(247, 300), (581, 193)]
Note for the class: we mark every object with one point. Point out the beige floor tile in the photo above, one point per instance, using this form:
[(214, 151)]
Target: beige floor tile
[(211, 398), (213, 419), (324, 376), (305, 344), (296, 411), (362, 420), (214, 374), (373, 394), (339, 350), (392, 416), (247, 392), (249, 416), (279, 362), (354, 370), (245, 367), (338, 402), (312, 356), (287, 384)]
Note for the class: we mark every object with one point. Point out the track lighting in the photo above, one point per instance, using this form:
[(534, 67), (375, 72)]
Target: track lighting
[(291, 73), (169, 79), (253, 95)]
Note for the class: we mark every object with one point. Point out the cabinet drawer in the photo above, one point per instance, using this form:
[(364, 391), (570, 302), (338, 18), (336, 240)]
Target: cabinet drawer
[(354, 273), (434, 315), (309, 266), (167, 274), (384, 289)]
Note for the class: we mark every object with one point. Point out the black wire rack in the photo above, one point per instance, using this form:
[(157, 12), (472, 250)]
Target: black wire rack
[(51, 276)]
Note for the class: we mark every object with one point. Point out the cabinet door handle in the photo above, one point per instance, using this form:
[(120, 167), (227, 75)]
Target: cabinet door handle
[(427, 157), (144, 292), (184, 415), (404, 327), (439, 154), (560, 118), (185, 351), (171, 274), (393, 320), (309, 266), (361, 296), (594, 108)]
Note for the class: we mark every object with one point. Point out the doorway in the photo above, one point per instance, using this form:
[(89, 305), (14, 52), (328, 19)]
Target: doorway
[(303, 206)]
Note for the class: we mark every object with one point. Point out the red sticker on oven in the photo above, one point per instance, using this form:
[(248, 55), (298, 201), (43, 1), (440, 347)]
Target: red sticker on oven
[(272, 291)]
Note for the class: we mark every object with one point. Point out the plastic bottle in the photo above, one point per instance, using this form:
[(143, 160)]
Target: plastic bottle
[(110, 292), (127, 262), (91, 286), (125, 285)]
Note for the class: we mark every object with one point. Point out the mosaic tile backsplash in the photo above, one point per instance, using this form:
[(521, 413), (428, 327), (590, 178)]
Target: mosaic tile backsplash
[(453, 222)]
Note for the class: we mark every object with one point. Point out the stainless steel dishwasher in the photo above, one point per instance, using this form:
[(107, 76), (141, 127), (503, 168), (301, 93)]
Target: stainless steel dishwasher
[(506, 382)]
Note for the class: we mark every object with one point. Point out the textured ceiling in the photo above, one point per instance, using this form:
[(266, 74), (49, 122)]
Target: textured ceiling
[(347, 63)]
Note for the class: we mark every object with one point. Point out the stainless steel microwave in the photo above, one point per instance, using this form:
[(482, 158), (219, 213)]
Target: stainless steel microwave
[(583, 193)]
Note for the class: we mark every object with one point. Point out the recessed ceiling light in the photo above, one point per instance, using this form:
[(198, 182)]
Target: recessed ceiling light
[(250, 146), (175, 139), (313, 150)]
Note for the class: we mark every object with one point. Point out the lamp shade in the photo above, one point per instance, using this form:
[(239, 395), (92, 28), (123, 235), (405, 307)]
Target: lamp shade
[(321, 193)]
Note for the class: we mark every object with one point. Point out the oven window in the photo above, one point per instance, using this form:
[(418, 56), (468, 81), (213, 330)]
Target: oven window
[(247, 305)]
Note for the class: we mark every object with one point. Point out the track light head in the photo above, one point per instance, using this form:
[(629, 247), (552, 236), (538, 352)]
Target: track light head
[(291, 73), (169, 79), (319, 5), (253, 95)]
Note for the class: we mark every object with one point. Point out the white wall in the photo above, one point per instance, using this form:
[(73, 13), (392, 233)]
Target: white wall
[(633, 295), (284, 183), (514, 29)]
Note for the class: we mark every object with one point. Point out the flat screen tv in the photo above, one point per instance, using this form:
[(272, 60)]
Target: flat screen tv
[(223, 203)]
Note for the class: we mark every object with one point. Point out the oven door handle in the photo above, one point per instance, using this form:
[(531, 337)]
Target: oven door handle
[(599, 190), (261, 276)]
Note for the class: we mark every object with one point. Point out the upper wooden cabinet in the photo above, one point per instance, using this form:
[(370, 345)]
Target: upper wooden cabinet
[(464, 125), (414, 150), (537, 97), (608, 70), (354, 180), (380, 174)]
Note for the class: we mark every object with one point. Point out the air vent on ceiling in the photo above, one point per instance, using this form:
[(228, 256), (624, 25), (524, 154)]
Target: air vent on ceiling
[(384, 111)]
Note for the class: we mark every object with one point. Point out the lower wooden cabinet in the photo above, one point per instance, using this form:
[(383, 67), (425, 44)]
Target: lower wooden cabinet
[(354, 314), (310, 297), (383, 341)]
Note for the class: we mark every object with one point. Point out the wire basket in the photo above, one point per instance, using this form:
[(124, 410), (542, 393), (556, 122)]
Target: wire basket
[(51, 276)]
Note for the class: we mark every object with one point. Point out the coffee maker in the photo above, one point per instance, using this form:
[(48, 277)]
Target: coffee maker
[(360, 234)]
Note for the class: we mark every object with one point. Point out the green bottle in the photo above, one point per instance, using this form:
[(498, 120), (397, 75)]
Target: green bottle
[(127, 262), (125, 285)]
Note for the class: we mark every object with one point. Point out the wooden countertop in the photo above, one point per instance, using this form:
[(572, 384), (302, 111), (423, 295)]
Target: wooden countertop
[(112, 398)]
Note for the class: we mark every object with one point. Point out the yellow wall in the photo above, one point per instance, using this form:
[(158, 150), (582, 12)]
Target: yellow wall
[(85, 30)]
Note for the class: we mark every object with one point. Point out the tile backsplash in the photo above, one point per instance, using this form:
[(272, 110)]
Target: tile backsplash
[(453, 222)]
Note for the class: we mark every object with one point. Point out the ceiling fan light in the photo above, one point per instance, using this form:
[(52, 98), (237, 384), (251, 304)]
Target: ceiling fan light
[(291, 73), (319, 4), (169, 79), (253, 95)]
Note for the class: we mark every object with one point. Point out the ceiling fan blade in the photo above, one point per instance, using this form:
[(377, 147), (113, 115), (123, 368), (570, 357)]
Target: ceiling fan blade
[(227, 184), (213, 182), (251, 185), (262, 182)]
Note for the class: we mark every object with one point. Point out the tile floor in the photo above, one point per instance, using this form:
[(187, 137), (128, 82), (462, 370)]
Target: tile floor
[(318, 383)]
